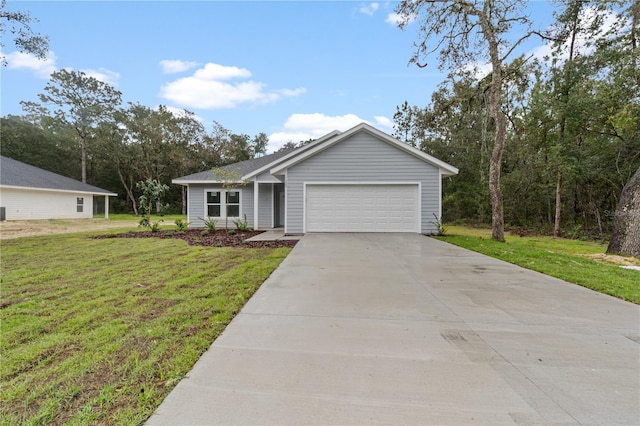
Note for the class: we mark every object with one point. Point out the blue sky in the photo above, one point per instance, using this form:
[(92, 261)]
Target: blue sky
[(292, 69)]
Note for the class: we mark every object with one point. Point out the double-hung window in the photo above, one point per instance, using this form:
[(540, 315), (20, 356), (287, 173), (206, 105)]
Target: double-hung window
[(79, 204), (222, 203)]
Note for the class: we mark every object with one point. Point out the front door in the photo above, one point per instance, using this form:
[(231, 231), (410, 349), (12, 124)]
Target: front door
[(278, 205)]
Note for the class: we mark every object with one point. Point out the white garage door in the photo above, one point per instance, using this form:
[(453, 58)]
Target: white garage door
[(362, 208)]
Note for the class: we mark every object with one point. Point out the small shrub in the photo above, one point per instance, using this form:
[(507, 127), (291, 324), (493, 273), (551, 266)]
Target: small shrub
[(209, 223), (242, 224), (232, 232), (442, 230), (181, 225), (204, 232), (145, 222), (155, 226)]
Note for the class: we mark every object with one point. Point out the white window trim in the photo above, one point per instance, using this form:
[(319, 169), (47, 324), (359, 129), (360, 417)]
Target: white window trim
[(415, 183), (223, 203)]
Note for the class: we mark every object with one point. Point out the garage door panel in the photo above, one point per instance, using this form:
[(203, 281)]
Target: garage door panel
[(362, 208)]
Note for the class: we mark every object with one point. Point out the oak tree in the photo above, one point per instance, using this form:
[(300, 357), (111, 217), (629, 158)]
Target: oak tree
[(464, 32)]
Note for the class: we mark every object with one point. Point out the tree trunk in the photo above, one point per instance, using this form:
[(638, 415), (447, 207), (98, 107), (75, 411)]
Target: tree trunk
[(129, 191), (83, 149), (556, 226), (495, 192), (495, 111), (625, 237)]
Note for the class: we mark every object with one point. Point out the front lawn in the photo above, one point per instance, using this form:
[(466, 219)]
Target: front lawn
[(580, 262), (98, 331)]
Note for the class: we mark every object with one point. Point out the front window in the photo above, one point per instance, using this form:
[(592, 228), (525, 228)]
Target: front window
[(233, 204), (221, 203), (79, 204)]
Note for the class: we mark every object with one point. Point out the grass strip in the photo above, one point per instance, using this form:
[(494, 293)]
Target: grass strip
[(579, 262), (99, 331)]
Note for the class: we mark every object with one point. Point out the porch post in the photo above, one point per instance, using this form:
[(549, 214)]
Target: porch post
[(256, 187), (106, 207)]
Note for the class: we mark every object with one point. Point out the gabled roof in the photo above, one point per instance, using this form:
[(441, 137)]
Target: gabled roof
[(16, 174), (277, 162), (445, 169)]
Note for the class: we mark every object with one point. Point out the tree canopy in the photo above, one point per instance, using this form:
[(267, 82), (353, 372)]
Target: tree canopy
[(26, 40)]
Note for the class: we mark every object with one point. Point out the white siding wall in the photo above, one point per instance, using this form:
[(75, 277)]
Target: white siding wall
[(362, 158), (195, 204), (26, 204)]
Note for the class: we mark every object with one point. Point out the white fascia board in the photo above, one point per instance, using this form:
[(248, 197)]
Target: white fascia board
[(68, 191), (295, 153), (448, 170)]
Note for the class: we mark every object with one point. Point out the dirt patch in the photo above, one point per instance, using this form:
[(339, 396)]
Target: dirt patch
[(613, 259), (219, 238), (31, 228)]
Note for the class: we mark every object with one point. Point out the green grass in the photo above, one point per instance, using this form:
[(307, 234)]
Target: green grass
[(579, 262), (99, 331)]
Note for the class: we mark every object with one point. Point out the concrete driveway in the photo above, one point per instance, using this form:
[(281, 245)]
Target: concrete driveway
[(405, 329)]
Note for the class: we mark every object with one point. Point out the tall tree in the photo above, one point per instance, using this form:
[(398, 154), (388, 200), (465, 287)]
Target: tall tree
[(25, 39), (577, 26), (78, 100), (464, 32)]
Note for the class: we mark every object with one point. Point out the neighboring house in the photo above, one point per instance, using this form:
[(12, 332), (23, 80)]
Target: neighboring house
[(360, 180), (28, 192)]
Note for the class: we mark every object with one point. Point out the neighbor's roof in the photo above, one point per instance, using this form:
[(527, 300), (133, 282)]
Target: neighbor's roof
[(242, 168), (14, 173)]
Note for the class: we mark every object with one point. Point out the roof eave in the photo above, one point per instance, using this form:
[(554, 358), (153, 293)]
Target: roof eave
[(31, 188)]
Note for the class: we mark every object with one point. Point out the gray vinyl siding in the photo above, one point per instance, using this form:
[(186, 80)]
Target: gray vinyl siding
[(195, 204), (265, 206), (362, 158), (267, 177)]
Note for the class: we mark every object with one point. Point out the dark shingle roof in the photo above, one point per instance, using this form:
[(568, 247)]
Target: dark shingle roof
[(16, 173), (242, 168)]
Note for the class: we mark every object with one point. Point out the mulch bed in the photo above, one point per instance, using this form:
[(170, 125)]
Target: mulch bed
[(198, 237)]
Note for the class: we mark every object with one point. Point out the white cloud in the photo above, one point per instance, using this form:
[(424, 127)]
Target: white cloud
[(41, 68), (104, 75), (176, 66), (302, 127), (384, 123), (395, 19), (369, 9), (179, 112), (207, 88), (477, 69), (213, 71)]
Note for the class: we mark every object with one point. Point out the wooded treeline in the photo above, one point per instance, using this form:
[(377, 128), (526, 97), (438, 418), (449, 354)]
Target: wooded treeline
[(132, 145), (573, 126)]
